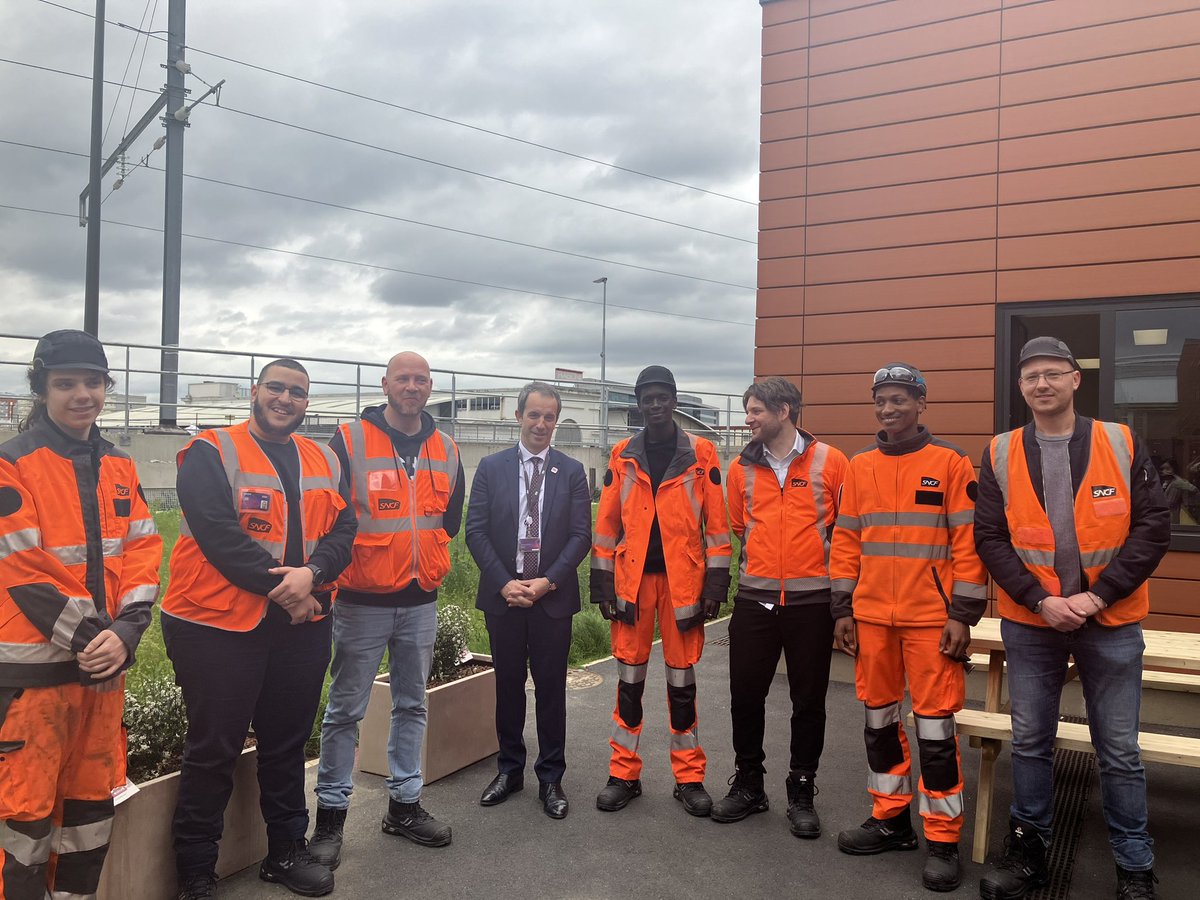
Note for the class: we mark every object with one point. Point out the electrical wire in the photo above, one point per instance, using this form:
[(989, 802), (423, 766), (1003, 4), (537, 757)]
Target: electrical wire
[(394, 218), (383, 268)]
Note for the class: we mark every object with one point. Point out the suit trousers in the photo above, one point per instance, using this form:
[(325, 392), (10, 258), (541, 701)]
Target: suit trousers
[(521, 638)]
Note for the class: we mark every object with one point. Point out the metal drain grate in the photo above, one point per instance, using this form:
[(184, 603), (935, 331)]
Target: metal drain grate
[(718, 642), (1072, 787)]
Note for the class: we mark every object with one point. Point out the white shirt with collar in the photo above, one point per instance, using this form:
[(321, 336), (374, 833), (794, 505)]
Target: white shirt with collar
[(526, 474)]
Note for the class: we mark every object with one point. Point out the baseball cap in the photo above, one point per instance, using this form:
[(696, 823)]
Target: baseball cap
[(902, 374), (654, 375), (1046, 346), (69, 349)]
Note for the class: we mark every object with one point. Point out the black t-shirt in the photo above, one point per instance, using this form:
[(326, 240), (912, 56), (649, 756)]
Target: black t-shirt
[(658, 457)]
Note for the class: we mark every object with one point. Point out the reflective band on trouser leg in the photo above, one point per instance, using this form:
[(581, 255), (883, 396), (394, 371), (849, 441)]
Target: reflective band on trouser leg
[(889, 769), (941, 777), (26, 850), (687, 757), (79, 847), (627, 721)]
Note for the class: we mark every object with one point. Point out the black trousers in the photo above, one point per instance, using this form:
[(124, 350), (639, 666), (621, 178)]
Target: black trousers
[(804, 634), (270, 676), (521, 636)]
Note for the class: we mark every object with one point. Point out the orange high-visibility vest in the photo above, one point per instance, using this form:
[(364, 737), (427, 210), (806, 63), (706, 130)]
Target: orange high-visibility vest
[(400, 535), (196, 590), (785, 532), (1102, 519), (691, 518)]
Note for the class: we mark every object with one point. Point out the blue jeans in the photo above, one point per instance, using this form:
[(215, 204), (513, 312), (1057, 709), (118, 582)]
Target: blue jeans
[(360, 635), (1110, 671)]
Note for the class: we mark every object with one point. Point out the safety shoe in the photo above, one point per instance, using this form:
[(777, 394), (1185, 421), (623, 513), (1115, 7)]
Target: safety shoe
[(1135, 885), (694, 798), (291, 865), (617, 793), (201, 886), (1023, 868), (745, 796), (879, 836), (942, 871), (326, 843), (410, 820), (802, 816)]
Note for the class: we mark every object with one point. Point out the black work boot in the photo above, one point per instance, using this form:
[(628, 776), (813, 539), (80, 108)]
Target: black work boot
[(802, 817), (694, 798), (198, 886), (289, 863), (1023, 868), (745, 796), (942, 871), (879, 835), (410, 820), (326, 843), (617, 793), (1135, 885)]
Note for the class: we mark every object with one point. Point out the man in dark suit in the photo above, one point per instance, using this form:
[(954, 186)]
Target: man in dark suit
[(529, 525)]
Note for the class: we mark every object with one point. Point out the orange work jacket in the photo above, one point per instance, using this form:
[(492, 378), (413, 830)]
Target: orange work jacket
[(691, 518), (196, 590), (1102, 519), (78, 551), (904, 543), (400, 535), (785, 531)]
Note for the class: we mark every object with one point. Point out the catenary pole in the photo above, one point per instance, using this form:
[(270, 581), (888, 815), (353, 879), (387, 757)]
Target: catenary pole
[(91, 281), (173, 217)]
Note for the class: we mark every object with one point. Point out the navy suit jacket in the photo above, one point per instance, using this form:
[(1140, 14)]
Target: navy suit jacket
[(492, 529)]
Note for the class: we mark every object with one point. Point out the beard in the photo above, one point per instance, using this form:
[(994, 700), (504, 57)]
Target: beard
[(264, 423)]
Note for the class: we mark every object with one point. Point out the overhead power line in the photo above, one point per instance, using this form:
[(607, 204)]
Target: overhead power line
[(383, 268), (394, 218), (433, 162), (420, 112)]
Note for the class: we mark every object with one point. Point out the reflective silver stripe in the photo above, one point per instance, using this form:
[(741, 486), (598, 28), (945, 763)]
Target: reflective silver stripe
[(428, 523), (335, 465), (451, 450), (184, 528), (242, 479), (146, 593), (140, 528), (970, 590), (684, 613), (624, 738), (816, 481), (631, 674), (317, 483), (960, 518), (719, 562), (605, 542), (905, 551), (383, 526), (275, 548), (1035, 557), (883, 716), (934, 728), (950, 807), (27, 850), (712, 541), (843, 584), (356, 444), (850, 523), (813, 583), (229, 459), (16, 541), (1098, 557), (77, 838), (758, 582), (34, 653), (751, 475), (1000, 445), (918, 519), (604, 563), (1116, 437), (892, 785), (75, 610), (624, 605), (71, 555), (67, 895), (681, 677), (688, 740), (628, 482), (310, 547)]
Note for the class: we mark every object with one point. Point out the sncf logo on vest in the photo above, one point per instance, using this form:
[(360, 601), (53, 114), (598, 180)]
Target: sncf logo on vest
[(799, 482), (930, 482), (1103, 490), (386, 503), (258, 526)]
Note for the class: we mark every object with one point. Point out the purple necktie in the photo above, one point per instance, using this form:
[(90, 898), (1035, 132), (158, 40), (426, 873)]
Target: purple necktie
[(533, 525)]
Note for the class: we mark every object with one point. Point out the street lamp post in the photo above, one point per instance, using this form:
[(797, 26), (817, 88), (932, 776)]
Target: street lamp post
[(603, 282)]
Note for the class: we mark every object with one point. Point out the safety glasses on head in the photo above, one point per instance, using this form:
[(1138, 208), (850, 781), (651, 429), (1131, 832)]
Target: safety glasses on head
[(899, 374)]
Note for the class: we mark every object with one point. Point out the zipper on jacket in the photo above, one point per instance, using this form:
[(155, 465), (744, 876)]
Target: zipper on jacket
[(938, 584)]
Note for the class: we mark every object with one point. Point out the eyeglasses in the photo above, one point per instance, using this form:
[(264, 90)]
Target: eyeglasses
[(276, 389), (897, 373), (1052, 378)]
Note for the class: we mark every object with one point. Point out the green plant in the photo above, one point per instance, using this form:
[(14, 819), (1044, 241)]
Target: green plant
[(450, 645), (156, 723)]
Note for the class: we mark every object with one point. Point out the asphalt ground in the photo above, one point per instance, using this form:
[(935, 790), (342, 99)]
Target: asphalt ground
[(653, 850)]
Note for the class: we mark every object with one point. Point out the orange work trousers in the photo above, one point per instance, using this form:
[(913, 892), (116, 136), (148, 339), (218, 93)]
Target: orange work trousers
[(681, 651), (62, 751), (936, 683)]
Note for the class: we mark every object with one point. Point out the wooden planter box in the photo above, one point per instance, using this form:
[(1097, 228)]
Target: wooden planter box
[(461, 728), (141, 859)]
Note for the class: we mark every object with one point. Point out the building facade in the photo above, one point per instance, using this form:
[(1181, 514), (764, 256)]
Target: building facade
[(941, 181)]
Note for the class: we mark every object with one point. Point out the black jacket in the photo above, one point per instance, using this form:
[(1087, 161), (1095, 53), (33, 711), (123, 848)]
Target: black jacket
[(1149, 530)]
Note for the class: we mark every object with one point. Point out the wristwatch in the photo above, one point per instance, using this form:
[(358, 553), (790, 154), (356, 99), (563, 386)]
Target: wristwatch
[(553, 586), (1037, 607), (318, 575)]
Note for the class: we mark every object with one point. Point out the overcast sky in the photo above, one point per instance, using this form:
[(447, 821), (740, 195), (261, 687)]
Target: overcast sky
[(666, 87)]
